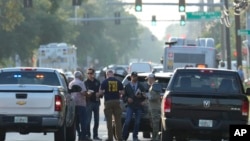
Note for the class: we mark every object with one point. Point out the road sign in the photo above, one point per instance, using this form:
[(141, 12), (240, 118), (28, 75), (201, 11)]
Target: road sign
[(243, 32), (203, 15)]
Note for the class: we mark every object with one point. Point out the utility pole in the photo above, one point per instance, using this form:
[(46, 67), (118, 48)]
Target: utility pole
[(238, 38), (228, 48)]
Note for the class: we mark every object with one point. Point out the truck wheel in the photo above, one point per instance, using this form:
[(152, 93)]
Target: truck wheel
[(216, 139), (166, 135), (2, 135), (59, 135), (179, 138), (71, 132), (146, 134)]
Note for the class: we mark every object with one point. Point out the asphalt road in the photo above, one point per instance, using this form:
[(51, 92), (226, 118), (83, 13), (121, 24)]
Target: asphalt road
[(49, 137)]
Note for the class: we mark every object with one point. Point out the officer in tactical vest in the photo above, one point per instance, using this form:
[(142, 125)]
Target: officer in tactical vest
[(154, 106)]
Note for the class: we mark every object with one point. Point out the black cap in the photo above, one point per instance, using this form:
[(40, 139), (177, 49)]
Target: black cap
[(134, 73)]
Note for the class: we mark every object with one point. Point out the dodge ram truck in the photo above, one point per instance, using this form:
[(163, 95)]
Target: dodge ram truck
[(202, 103), (36, 100)]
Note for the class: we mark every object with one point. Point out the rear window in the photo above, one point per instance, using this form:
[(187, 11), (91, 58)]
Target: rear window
[(44, 78), (206, 81)]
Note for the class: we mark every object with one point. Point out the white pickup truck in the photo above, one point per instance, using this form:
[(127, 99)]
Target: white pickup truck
[(36, 100)]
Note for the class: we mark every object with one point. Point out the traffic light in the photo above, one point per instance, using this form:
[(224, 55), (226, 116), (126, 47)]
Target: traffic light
[(182, 5), (138, 5), (153, 21), (27, 3), (183, 20), (117, 18), (76, 2)]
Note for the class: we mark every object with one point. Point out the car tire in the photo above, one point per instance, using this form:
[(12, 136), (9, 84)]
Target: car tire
[(2, 135), (71, 132), (180, 138), (146, 134), (216, 139), (166, 135), (60, 134)]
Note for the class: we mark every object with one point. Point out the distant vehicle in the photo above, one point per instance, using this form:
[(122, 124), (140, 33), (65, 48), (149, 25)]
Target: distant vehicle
[(69, 75), (118, 69), (140, 67), (234, 66), (58, 55), (176, 56), (157, 68), (206, 42)]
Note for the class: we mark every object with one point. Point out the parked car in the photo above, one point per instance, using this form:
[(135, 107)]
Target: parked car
[(140, 67), (35, 100), (145, 126), (202, 104)]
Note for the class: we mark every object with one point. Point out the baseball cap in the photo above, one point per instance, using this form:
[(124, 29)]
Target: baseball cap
[(150, 76), (134, 73)]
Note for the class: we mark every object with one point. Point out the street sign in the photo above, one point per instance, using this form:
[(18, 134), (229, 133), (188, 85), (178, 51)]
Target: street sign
[(243, 32), (203, 15)]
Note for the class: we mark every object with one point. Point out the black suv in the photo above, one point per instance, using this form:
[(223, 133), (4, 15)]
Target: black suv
[(145, 127)]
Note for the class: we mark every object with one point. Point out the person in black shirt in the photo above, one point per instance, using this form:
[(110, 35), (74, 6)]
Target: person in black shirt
[(93, 102), (112, 89)]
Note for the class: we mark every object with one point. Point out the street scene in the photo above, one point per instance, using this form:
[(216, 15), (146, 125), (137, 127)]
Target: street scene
[(124, 70)]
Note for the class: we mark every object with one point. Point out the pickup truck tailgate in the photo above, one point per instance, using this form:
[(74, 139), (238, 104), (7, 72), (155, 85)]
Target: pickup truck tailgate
[(27, 99), (223, 107)]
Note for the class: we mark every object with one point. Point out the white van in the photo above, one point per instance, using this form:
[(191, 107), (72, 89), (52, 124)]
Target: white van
[(140, 67)]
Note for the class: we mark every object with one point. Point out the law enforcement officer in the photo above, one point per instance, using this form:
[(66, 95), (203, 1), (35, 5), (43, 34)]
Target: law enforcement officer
[(154, 107), (112, 89)]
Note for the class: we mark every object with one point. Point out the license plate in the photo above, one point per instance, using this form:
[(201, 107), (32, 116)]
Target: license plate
[(21, 119), (205, 123)]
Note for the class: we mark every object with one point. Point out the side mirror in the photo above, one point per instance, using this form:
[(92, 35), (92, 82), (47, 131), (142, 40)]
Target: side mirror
[(75, 88), (156, 87)]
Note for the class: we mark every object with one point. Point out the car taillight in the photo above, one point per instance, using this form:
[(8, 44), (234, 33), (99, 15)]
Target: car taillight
[(167, 105), (58, 103), (245, 108)]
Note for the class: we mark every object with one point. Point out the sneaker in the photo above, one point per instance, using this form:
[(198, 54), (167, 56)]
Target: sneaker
[(97, 138)]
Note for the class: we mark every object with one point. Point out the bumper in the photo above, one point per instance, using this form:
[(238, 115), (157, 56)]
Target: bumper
[(191, 127), (30, 123)]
